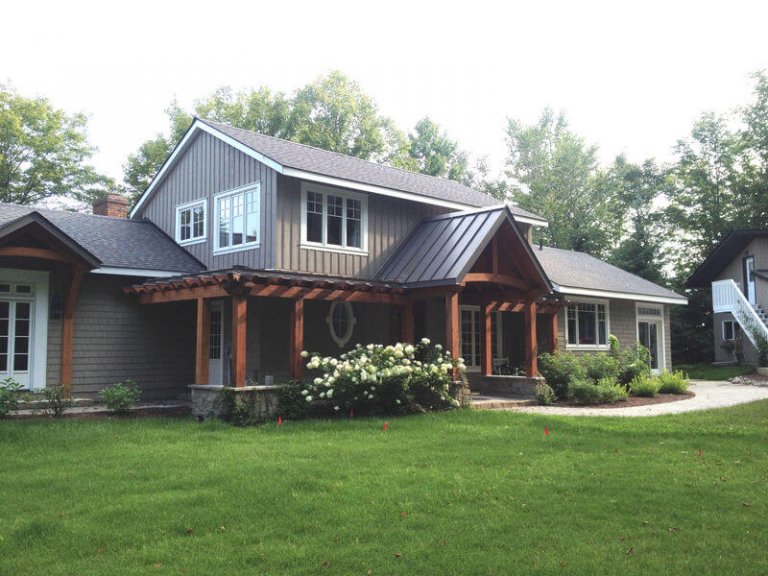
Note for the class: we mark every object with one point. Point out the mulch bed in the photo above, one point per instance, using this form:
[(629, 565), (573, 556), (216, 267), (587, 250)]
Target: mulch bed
[(634, 401)]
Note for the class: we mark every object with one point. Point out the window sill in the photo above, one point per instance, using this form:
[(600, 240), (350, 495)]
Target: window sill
[(239, 248), (191, 242), (587, 347), (339, 249)]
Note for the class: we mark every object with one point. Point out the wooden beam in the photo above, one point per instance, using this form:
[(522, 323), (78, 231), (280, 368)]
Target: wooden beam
[(486, 347), (531, 345), (452, 326), (42, 253), (406, 322), (202, 350), (296, 343), (68, 328), (239, 331), (553, 331), (495, 254), (502, 279)]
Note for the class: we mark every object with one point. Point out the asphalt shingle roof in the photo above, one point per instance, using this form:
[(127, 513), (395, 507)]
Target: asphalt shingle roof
[(722, 255), (570, 269), (336, 165), (117, 242)]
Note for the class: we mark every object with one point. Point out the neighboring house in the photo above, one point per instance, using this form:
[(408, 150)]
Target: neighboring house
[(737, 270), (247, 249)]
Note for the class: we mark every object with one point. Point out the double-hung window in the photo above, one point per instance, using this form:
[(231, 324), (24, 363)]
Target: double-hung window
[(587, 325), (333, 219), (238, 218), (190, 222)]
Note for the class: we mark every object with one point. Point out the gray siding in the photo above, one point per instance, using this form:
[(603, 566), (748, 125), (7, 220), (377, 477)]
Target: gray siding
[(743, 347), (116, 338), (735, 271), (390, 220), (210, 166)]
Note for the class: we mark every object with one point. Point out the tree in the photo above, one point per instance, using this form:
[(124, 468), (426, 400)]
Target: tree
[(554, 174), (43, 152), (434, 153)]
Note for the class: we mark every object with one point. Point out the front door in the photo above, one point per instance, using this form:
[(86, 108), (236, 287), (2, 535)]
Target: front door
[(749, 278), (649, 335), (215, 345), (16, 332)]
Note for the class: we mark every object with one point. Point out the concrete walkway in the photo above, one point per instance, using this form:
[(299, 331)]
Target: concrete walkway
[(708, 394)]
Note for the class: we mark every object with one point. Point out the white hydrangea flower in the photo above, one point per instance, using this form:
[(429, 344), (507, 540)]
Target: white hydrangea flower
[(409, 349), (336, 408), (322, 394), (369, 347), (318, 381), (438, 347), (370, 396), (309, 398), (425, 341), (304, 354), (304, 392)]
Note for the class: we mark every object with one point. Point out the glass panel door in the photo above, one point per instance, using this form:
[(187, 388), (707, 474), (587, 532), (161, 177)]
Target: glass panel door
[(648, 336), (215, 344), (15, 340)]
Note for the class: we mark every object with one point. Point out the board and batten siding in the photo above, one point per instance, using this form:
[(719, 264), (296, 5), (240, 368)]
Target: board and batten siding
[(390, 220), (208, 167)]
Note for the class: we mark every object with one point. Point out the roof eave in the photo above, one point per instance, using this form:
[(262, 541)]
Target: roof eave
[(614, 295)]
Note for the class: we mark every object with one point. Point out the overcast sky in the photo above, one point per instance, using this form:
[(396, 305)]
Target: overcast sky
[(631, 76)]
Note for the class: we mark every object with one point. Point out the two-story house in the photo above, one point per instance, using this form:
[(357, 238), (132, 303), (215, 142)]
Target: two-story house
[(737, 271), (247, 249)]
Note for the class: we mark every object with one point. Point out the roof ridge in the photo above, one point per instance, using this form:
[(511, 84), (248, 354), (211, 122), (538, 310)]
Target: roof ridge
[(40, 209)]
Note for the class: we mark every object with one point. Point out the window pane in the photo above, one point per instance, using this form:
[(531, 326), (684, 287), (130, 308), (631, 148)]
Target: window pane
[(587, 323), (354, 212), (314, 217), (224, 228), (335, 219), (601, 324), (184, 227), (238, 220), (198, 218), (252, 217), (215, 340), (340, 321), (5, 287), (24, 289), (20, 362), (3, 362), (572, 330)]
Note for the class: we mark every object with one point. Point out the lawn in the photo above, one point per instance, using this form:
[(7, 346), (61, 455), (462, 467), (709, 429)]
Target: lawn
[(709, 372), (465, 492)]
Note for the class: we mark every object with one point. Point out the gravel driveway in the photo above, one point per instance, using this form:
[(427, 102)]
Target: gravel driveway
[(709, 394)]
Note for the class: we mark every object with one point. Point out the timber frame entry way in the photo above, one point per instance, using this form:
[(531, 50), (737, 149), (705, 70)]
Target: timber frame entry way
[(491, 291)]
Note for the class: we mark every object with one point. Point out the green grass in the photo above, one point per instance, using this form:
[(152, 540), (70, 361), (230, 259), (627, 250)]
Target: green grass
[(453, 493), (709, 372)]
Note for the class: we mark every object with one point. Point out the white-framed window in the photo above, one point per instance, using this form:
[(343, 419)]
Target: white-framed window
[(729, 330), (24, 326), (471, 335), (237, 219), (341, 322), (587, 325), (333, 219), (650, 333), (191, 225)]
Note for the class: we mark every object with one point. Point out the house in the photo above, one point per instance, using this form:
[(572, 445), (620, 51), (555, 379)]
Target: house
[(247, 249), (737, 271)]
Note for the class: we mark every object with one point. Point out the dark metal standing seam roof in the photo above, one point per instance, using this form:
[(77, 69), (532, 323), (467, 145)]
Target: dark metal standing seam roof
[(116, 242), (440, 251)]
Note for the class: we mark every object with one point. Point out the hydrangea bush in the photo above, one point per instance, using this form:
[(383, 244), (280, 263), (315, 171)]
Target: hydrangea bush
[(383, 379)]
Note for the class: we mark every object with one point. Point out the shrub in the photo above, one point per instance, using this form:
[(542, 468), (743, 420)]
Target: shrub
[(545, 396), (583, 391), (645, 385), (610, 391), (559, 369), (56, 401), (120, 397), (673, 382), (635, 362), (383, 379), (601, 365), (10, 395), (290, 402)]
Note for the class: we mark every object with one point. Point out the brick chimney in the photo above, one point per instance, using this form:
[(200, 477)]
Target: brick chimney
[(111, 205)]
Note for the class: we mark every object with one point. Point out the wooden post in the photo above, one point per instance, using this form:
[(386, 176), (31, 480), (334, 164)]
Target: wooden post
[(406, 323), (452, 326), (202, 350), (297, 338), (531, 345), (68, 328), (486, 348), (553, 331), (239, 331)]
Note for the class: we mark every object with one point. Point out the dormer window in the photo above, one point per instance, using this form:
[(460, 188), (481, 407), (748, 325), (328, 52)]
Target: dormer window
[(190, 222), (333, 219)]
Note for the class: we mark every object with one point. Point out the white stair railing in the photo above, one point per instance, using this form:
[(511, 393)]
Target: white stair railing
[(727, 297)]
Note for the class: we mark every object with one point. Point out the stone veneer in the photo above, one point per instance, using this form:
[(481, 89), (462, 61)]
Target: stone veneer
[(204, 399)]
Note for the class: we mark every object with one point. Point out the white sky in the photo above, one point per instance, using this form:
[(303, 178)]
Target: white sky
[(631, 76)]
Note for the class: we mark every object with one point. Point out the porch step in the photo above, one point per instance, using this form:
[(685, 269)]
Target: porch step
[(485, 402)]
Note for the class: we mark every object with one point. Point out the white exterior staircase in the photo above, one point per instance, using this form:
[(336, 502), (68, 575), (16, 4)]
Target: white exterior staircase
[(728, 297)]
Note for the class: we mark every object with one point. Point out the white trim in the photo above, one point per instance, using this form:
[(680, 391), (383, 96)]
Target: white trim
[(239, 146), (38, 345), (660, 343), (620, 295), (733, 324), (531, 221), (347, 194), (577, 346), (141, 272), (177, 228), (351, 321), (227, 194)]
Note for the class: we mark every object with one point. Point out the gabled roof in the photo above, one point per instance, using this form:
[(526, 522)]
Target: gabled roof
[(722, 255), (579, 274), (441, 250), (115, 242), (317, 165)]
